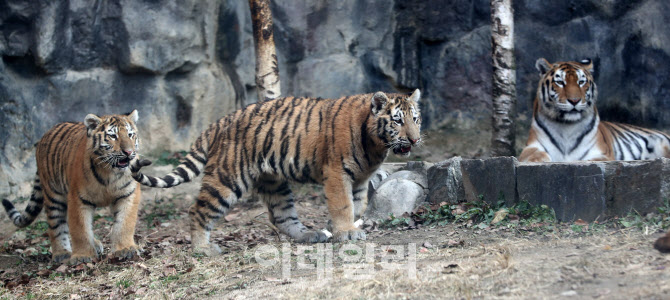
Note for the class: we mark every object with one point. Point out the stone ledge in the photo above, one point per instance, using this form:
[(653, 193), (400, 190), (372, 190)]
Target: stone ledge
[(579, 190)]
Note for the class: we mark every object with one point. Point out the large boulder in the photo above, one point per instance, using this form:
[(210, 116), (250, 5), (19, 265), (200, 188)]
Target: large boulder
[(398, 193)]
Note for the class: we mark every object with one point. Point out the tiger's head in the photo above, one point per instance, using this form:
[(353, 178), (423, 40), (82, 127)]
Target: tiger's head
[(398, 120), (566, 92), (112, 139)]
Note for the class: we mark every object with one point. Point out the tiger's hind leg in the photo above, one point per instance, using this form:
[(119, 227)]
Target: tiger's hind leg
[(281, 208), (213, 202), (59, 233)]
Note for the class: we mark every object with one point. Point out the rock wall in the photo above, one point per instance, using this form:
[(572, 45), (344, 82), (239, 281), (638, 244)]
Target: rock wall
[(184, 64)]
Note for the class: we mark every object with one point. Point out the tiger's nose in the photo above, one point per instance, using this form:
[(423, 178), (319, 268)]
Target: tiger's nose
[(413, 141), (574, 101), (128, 152)]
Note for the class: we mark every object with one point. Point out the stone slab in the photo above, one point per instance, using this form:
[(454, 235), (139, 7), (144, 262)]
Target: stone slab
[(573, 190)]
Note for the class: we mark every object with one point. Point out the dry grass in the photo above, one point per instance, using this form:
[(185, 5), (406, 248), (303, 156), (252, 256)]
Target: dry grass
[(456, 262)]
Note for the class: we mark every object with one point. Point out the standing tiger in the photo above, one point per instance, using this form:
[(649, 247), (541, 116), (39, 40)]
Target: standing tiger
[(566, 125), (337, 142), (81, 166)]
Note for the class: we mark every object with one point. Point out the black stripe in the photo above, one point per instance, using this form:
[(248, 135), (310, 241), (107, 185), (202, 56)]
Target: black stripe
[(216, 195), (122, 197), (280, 220), (204, 203), (8, 205), (58, 224), (86, 202), (189, 164), (551, 138), (182, 173), (56, 208), (95, 173), (152, 180), (584, 133), (349, 172), (198, 158), (126, 184)]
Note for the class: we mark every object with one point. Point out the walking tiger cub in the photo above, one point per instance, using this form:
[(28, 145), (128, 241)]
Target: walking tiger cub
[(566, 125), (81, 166), (337, 142)]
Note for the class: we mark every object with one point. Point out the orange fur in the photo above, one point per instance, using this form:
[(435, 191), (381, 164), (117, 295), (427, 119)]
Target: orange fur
[(336, 142), (81, 167), (578, 134)]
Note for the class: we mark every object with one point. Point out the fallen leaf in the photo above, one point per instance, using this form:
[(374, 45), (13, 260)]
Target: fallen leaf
[(423, 250), (428, 245), (62, 269), (499, 216), (230, 217), (454, 243), (581, 222)]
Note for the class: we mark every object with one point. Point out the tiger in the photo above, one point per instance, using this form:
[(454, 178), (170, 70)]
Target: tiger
[(80, 167), (261, 148), (566, 125)]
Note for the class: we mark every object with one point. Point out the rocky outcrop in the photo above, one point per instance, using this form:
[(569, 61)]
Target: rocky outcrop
[(183, 64)]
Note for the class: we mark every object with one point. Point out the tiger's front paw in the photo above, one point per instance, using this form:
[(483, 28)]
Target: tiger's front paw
[(80, 259), (98, 247), (60, 257), (312, 237), (127, 253), (346, 235)]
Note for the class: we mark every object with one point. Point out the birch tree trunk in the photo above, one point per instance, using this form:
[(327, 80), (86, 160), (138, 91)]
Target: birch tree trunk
[(504, 78), (267, 70)]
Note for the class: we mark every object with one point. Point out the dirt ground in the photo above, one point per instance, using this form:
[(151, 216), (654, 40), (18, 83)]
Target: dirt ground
[(451, 261)]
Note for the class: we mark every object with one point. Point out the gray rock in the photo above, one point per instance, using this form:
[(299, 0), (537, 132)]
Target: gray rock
[(573, 190), (395, 196), (415, 177), (445, 182), (491, 179), (187, 63), (375, 181), (639, 186)]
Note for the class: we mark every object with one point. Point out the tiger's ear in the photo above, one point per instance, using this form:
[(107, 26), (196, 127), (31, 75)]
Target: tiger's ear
[(543, 66), (416, 96), (587, 64), (134, 116), (92, 121), (378, 102)]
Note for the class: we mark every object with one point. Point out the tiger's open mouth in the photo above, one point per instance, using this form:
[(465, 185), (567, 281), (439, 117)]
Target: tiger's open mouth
[(402, 150), (122, 163)]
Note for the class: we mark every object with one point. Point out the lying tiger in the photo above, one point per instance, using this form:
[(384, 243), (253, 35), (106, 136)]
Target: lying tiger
[(337, 142), (566, 125), (81, 166)]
